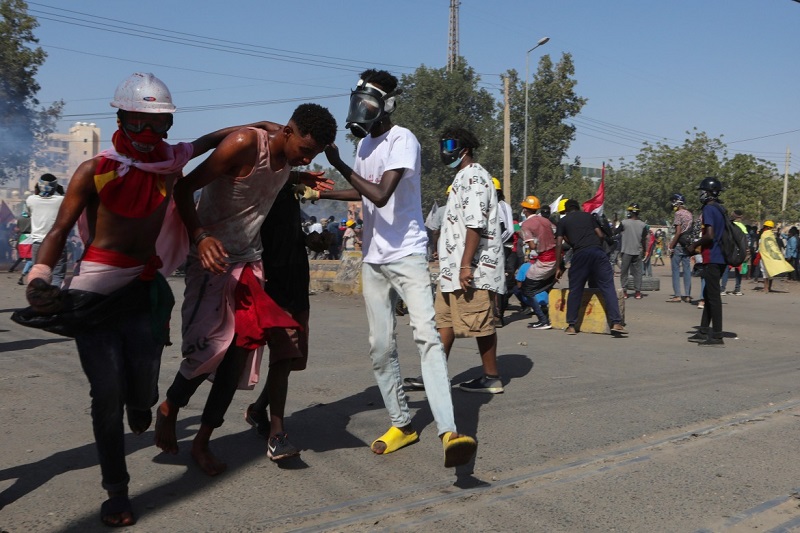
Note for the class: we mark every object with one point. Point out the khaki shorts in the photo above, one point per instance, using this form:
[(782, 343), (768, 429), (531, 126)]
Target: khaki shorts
[(290, 343), (469, 313)]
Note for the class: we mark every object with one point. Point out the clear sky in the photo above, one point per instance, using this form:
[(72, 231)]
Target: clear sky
[(651, 70)]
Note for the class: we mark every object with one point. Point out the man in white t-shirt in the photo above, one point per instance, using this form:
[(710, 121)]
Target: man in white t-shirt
[(471, 258), (315, 226), (386, 178), (43, 207), (506, 218)]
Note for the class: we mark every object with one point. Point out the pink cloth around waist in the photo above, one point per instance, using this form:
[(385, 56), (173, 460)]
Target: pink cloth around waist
[(104, 271), (217, 308)]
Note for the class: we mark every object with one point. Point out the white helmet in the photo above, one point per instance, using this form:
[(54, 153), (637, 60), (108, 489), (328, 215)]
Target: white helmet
[(144, 93)]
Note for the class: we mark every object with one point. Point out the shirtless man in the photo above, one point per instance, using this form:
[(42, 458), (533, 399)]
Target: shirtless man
[(226, 313), (125, 194)]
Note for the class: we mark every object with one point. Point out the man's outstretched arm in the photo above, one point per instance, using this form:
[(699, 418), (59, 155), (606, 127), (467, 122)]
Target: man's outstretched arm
[(212, 140), (232, 157), (377, 193)]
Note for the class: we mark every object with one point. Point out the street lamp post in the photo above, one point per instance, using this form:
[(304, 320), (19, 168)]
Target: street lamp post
[(542, 41)]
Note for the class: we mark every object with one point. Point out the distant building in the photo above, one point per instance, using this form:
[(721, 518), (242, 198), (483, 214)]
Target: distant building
[(64, 152), (60, 156)]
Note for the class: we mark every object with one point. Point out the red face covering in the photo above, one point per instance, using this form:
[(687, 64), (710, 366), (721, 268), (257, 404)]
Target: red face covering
[(146, 136)]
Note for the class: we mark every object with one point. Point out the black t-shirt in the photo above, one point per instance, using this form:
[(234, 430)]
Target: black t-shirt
[(284, 257), (578, 228)]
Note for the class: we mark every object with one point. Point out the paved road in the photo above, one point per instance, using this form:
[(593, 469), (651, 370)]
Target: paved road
[(648, 433)]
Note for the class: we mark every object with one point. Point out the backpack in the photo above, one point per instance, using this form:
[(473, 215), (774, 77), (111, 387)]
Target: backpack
[(733, 243)]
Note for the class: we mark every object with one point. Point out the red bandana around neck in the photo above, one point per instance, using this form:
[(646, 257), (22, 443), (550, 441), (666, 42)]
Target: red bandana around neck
[(137, 194)]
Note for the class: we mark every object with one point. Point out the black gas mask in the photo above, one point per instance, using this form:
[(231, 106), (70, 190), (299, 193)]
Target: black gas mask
[(368, 106)]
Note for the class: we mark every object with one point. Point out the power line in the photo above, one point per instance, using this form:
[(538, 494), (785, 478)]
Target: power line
[(199, 41), (214, 107), (239, 76)]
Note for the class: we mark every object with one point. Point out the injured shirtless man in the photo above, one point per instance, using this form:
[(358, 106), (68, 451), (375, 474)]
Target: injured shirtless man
[(227, 316)]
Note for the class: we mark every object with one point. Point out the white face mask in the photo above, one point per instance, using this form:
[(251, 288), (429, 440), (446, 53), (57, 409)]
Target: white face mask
[(456, 163)]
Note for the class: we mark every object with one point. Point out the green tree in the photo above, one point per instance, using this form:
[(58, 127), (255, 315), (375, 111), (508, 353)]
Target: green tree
[(753, 186), (23, 123), (552, 102), (792, 213), (658, 171), (434, 99)]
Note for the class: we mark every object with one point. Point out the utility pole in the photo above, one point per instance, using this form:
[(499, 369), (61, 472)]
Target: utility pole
[(452, 47), (506, 143), (786, 181)]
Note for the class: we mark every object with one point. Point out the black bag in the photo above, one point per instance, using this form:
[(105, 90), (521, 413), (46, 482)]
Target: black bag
[(685, 239), (733, 242)]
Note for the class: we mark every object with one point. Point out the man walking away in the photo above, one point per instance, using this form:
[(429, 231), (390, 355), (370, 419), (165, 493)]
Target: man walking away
[(633, 243)]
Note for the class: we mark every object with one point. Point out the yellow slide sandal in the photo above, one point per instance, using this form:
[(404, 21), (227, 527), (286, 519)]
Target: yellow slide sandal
[(458, 450), (394, 439)]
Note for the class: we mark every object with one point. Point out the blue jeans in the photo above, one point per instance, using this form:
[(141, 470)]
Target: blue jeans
[(726, 273), (591, 262), (679, 258), (647, 267), (530, 288), (122, 360), (410, 279)]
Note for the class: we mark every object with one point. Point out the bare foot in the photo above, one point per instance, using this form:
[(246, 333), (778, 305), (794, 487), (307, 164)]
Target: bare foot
[(207, 461), (116, 511), (139, 421), (166, 417)]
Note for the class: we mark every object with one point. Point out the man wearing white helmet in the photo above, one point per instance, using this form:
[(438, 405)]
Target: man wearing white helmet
[(117, 305)]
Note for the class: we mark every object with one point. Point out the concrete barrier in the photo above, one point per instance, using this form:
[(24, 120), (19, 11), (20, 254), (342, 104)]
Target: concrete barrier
[(592, 316), (342, 276)]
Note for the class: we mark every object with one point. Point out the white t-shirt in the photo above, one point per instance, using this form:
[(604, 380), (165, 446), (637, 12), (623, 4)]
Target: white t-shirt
[(43, 211), (397, 229), (472, 204), (508, 221)]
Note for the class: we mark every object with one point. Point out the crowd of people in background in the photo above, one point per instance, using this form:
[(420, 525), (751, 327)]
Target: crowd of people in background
[(329, 237)]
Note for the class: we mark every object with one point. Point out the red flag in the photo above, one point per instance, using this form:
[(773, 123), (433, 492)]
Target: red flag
[(595, 205)]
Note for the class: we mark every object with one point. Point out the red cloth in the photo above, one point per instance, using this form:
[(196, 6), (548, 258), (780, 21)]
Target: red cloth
[(546, 256), (117, 259), (138, 193), (110, 258), (256, 313)]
